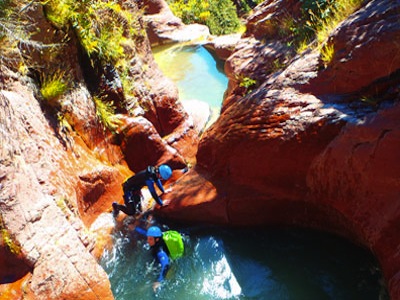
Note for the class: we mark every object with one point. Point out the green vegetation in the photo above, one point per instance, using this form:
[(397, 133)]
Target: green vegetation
[(101, 26), (6, 239), (62, 205), (327, 52), (13, 247), (370, 100), (319, 18), (107, 31), (219, 15), (246, 5), (246, 82), (53, 86), (5, 8), (105, 111), (12, 32)]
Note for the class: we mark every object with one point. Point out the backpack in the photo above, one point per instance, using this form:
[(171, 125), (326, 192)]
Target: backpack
[(174, 242)]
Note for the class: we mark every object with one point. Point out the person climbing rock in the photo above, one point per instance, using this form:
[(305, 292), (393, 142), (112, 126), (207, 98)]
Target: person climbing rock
[(132, 187)]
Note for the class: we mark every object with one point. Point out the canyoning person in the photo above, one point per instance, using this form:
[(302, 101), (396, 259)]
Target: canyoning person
[(132, 187), (159, 252), (163, 246)]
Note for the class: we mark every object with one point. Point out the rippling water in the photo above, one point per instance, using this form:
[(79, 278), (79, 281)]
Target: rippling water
[(247, 264)]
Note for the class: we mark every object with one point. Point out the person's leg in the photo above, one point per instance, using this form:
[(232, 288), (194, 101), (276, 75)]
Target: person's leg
[(137, 201), (128, 209)]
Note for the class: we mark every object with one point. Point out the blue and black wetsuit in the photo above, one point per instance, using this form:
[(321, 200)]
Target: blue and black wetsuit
[(161, 255), (132, 190)]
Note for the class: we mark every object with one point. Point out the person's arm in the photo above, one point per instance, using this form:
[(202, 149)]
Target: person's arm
[(159, 185), (163, 259), (141, 231), (150, 185)]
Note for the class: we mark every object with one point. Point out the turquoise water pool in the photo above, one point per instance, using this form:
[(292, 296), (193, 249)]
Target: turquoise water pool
[(197, 74), (273, 264)]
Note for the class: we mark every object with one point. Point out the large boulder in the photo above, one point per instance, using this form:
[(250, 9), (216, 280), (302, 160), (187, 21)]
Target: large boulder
[(143, 146)]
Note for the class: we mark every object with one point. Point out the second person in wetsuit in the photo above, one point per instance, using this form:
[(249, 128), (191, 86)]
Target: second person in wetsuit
[(149, 177)]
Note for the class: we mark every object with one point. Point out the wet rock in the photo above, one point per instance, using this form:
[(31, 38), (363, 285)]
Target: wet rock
[(356, 175)]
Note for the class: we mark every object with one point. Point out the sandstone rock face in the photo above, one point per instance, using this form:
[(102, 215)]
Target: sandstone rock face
[(357, 176), (37, 204), (61, 168), (306, 146), (300, 149), (269, 17)]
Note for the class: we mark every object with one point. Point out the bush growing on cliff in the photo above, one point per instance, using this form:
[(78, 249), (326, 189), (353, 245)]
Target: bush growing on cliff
[(101, 26), (318, 19), (108, 31), (7, 239), (105, 111), (53, 86), (13, 32), (219, 15), (245, 6)]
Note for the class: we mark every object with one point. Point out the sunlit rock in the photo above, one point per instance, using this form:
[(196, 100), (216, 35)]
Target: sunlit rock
[(223, 46), (163, 27)]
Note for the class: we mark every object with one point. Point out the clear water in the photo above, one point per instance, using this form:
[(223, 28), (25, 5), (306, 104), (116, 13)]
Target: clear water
[(197, 74), (273, 264)]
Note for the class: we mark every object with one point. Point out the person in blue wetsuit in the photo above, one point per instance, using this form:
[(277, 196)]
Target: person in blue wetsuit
[(149, 177), (159, 251)]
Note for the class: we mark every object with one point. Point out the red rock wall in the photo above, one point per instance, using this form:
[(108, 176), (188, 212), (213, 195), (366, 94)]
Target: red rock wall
[(312, 145)]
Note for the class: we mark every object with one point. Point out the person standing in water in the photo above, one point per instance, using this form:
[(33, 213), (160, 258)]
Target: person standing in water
[(149, 177)]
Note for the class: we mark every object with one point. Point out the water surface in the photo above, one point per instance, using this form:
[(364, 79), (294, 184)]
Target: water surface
[(197, 74), (273, 264)]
